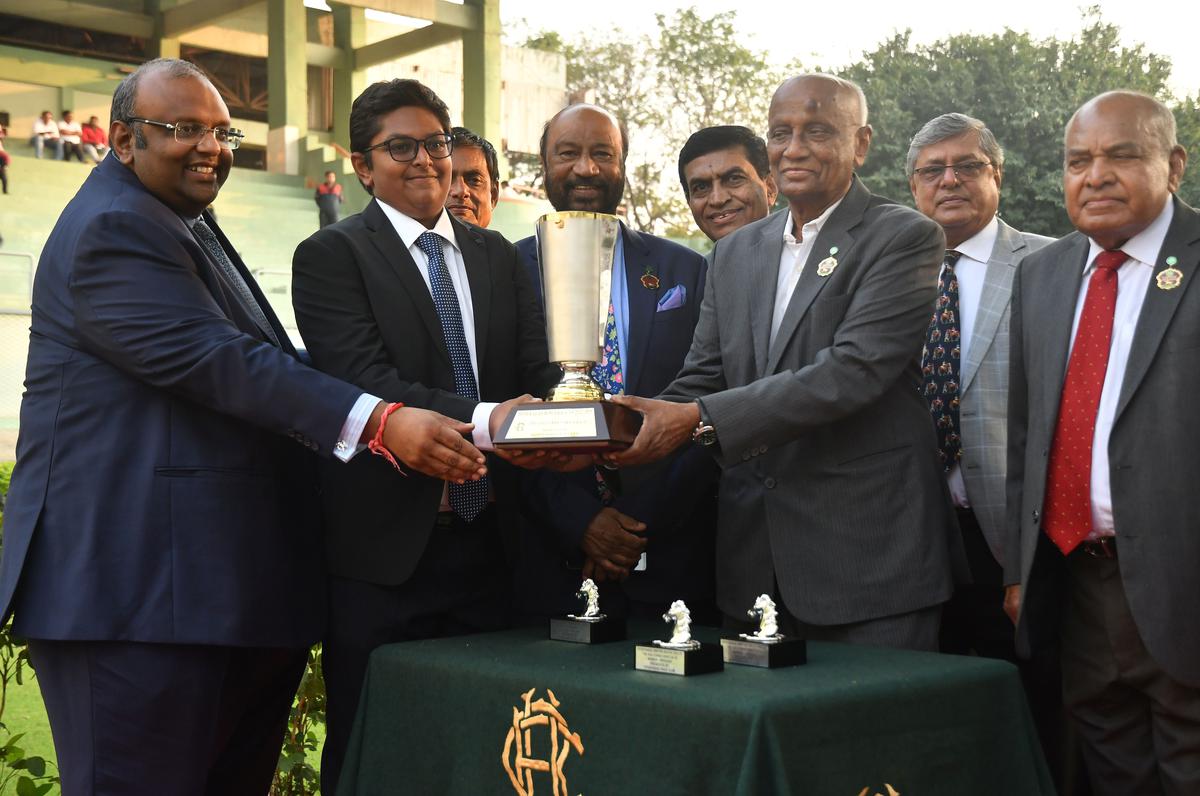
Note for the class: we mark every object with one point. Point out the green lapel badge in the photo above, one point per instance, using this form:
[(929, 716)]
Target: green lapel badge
[(1171, 277)]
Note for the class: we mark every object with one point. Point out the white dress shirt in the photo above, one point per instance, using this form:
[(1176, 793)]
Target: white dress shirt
[(971, 272), (792, 260), (1133, 279)]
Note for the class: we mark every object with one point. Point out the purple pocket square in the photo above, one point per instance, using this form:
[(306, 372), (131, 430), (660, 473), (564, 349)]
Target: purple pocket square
[(673, 299)]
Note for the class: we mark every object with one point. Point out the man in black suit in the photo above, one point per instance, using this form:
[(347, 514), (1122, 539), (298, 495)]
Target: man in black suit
[(160, 533), (409, 303), (577, 527)]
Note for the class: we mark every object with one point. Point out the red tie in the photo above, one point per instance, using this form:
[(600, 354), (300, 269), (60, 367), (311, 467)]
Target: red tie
[(1068, 510)]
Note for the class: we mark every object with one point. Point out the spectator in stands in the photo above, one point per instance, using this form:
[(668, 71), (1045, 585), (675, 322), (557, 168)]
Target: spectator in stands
[(329, 200), (95, 141), (71, 134), (46, 131), (474, 178)]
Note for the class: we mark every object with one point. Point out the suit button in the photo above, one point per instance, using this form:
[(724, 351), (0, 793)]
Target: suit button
[(769, 482), (763, 449), (745, 457), (1036, 515)]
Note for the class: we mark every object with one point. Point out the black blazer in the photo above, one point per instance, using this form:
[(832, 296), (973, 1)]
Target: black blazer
[(367, 316)]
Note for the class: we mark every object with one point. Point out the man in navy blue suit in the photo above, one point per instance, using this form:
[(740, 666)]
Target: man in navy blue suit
[(160, 548), (576, 527)]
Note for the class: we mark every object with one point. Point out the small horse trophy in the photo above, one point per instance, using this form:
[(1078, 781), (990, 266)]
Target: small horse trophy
[(590, 627), (765, 647), (681, 654)]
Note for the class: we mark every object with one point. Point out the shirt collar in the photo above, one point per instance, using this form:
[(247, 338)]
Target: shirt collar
[(409, 229), (1144, 246), (979, 246), (812, 228)]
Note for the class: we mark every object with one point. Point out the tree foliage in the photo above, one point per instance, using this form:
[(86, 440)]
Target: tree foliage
[(693, 72)]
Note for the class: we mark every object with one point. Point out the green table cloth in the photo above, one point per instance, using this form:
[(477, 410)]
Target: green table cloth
[(513, 712)]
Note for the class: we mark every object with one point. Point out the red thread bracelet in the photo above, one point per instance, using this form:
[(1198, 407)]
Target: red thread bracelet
[(376, 445)]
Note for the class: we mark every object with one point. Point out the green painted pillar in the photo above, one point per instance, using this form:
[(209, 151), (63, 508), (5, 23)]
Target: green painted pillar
[(287, 85), (349, 33), (157, 46), (481, 76)]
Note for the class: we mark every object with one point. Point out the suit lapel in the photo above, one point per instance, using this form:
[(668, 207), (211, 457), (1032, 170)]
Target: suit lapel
[(479, 278), (1182, 243), (1057, 318), (395, 255), (763, 272), (641, 306), (997, 289), (834, 233)]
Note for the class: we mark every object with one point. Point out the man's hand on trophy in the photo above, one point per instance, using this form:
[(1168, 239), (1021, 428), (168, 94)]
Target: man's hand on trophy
[(665, 426), (432, 444), (532, 459), (613, 544)]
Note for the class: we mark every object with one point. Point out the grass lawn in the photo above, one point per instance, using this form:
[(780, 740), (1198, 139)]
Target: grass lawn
[(25, 713)]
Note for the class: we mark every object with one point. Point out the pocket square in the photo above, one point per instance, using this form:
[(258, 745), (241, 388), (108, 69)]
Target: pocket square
[(673, 299)]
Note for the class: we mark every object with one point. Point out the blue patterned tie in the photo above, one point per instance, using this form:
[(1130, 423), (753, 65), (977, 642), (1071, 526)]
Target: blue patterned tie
[(941, 364), (208, 239), (470, 498), (607, 372)]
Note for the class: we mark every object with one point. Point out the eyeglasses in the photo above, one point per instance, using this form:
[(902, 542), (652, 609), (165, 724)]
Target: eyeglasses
[(191, 133), (404, 148), (964, 172)]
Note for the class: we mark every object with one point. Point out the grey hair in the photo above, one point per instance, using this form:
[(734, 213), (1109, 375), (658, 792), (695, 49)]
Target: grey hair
[(1159, 121), (951, 125), (125, 97)]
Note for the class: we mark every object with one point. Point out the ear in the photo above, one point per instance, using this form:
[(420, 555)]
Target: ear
[(362, 169), (123, 141), (1177, 164), (495, 192), (772, 190), (862, 143)]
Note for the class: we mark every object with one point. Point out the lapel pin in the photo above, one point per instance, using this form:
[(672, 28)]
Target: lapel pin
[(826, 266), (1170, 277), (650, 279)]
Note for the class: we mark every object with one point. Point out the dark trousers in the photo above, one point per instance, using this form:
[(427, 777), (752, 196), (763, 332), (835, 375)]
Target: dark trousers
[(1140, 727), (166, 719), (913, 630), (460, 586)]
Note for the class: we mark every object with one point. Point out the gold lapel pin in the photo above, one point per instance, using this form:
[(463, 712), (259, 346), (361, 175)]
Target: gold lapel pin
[(1171, 277), (826, 266)]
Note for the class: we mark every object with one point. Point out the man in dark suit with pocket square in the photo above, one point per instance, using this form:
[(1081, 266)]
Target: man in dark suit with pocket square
[(600, 525)]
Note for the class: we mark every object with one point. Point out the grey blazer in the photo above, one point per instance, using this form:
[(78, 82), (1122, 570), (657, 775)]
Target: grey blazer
[(1154, 447), (831, 485), (983, 414)]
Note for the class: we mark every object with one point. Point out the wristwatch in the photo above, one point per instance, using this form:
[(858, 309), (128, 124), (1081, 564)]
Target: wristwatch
[(704, 433)]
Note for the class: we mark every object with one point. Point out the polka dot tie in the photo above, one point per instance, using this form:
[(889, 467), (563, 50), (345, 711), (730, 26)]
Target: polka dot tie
[(468, 499), (940, 364), (1067, 514)]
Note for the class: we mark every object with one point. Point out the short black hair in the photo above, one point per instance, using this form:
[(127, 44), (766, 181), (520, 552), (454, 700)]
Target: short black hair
[(462, 137), (725, 136), (380, 99), (620, 129)]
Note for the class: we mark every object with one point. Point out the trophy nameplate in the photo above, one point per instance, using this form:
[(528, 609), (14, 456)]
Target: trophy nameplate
[(575, 256), (681, 654), (766, 647), (590, 627)]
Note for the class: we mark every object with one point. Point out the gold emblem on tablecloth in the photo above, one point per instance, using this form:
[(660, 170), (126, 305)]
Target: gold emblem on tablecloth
[(518, 744)]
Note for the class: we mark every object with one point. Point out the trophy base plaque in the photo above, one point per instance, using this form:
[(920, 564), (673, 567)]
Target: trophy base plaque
[(574, 426), (765, 654), (703, 659), (582, 631)]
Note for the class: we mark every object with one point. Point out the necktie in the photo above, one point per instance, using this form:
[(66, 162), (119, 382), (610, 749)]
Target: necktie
[(607, 372), (470, 498), (1067, 515), (208, 239), (940, 364)]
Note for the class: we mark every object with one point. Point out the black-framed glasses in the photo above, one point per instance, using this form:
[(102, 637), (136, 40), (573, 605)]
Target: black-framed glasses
[(191, 132), (965, 172), (403, 148)]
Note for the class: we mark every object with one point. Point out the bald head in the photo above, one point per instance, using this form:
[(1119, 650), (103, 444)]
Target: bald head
[(835, 91), (1121, 165), (583, 159)]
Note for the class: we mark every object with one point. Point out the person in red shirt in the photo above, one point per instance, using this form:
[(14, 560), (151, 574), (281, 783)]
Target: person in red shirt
[(94, 139), (329, 199)]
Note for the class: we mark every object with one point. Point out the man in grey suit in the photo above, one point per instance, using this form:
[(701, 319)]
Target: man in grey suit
[(803, 382), (955, 167), (1102, 468)]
